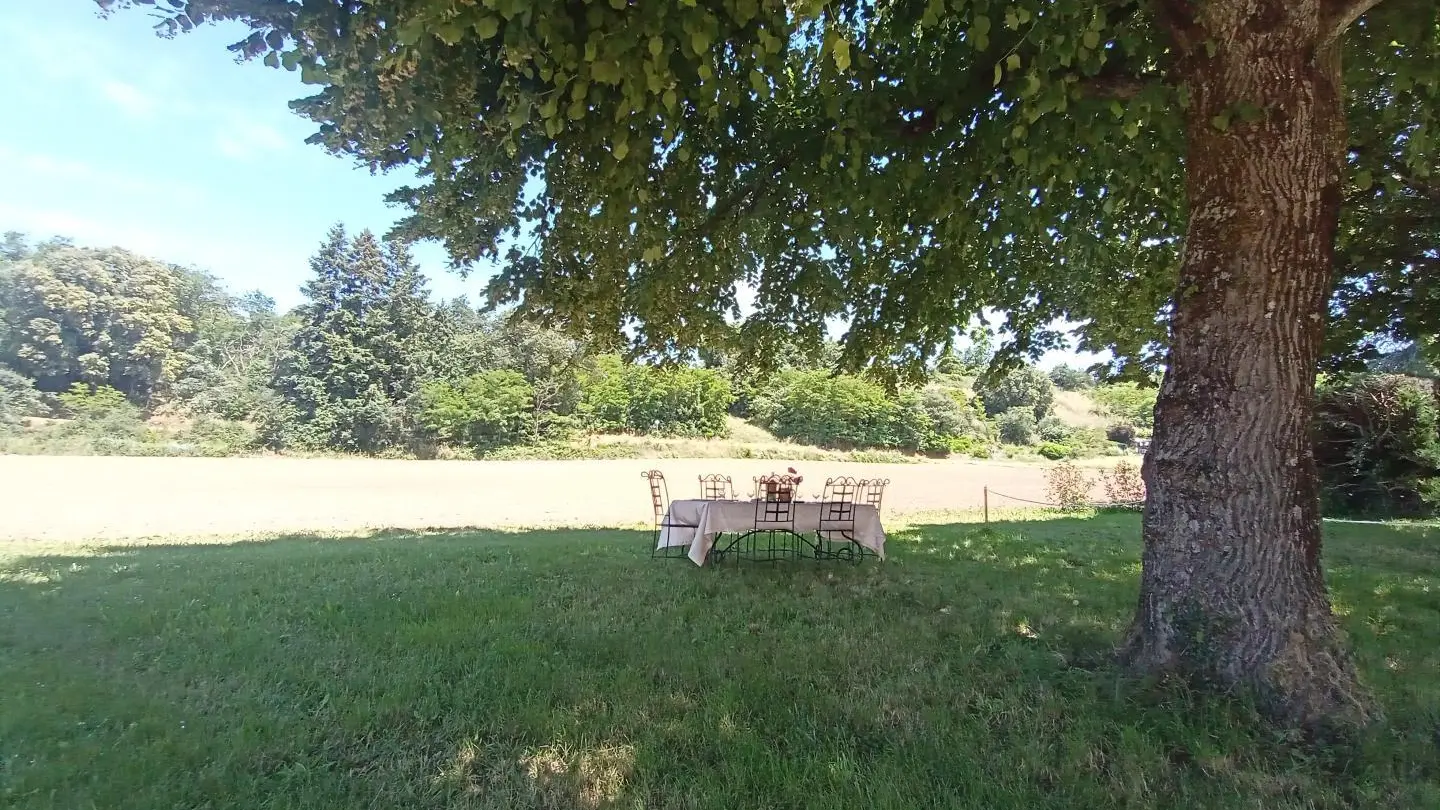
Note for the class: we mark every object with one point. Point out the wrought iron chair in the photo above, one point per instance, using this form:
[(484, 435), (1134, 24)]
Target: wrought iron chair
[(872, 491), (773, 536), (660, 502), (716, 487), (837, 520)]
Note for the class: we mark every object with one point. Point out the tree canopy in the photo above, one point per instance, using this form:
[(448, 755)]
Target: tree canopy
[(894, 164)]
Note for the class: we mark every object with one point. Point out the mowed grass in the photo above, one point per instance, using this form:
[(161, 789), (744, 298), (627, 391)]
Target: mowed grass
[(568, 670)]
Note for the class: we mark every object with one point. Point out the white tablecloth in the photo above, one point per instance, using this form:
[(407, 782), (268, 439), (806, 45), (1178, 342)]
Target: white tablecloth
[(711, 518)]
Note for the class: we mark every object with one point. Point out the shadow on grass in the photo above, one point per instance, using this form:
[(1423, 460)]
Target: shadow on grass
[(567, 669)]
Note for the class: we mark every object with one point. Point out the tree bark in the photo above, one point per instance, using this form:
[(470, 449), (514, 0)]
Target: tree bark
[(1232, 590)]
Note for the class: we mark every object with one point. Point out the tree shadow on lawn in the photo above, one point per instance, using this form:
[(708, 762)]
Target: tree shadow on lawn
[(567, 669)]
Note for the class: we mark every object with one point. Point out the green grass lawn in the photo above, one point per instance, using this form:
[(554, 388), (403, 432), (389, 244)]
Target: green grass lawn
[(567, 669)]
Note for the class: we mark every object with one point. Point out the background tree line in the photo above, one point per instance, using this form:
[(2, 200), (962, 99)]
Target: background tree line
[(369, 363)]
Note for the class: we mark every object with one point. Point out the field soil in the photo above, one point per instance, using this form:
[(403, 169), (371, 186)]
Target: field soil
[(79, 498)]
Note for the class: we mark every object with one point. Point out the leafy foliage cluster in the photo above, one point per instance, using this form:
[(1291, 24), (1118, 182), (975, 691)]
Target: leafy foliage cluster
[(627, 398), (1069, 378), (1024, 387), (1126, 403), (18, 397), (1067, 486), (99, 317), (843, 411), (1123, 484), (483, 411), (1376, 445)]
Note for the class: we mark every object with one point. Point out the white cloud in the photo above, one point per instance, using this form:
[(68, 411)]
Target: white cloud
[(243, 140), (130, 99)]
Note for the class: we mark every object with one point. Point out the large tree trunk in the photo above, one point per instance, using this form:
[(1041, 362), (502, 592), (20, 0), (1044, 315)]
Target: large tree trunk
[(1232, 590)]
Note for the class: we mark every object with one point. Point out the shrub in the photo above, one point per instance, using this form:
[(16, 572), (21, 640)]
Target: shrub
[(91, 403), (949, 413), (1121, 433), (1126, 403), (831, 411), (678, 401), (219, 437), (1123, 485), (18, 396), (621, 398), (1051, 429), (1089, 441), (969, 446), (1024, 387), (1067, 486), (484, 411), (1055, 450), (1376, 446), (1017, 425), (1069, 378)]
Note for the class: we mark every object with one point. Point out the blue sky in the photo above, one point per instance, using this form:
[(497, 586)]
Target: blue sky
[(171, 148)]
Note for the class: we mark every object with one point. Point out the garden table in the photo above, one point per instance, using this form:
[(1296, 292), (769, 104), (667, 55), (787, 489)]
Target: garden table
[(696, 523)]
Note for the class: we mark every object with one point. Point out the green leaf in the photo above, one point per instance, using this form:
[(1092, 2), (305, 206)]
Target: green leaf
[(618, 5), (1221, 121), (757, 81), (1013, 61), (842, 53), (670, 100), (652, 254), (1091, 40), (271, 59), (657, 45), (700, 41), (999, 73), (487, 26), (620, 149), (1364, 179), (448, 33), (309, 74)]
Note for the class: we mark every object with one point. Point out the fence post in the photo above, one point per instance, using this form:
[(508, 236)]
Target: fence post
[(987, 504)]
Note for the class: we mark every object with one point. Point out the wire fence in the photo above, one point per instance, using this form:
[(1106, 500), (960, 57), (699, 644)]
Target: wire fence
[(990, 493)]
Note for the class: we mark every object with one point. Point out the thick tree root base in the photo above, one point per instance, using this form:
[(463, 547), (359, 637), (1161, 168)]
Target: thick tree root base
[(1307, 684)]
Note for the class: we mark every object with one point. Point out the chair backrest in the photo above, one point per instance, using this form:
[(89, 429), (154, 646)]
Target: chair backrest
[(716, 487), (837, 499), (873, 491), (659, 493), (776, 488)]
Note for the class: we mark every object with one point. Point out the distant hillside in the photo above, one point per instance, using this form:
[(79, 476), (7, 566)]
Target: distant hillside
[(1076, 408)]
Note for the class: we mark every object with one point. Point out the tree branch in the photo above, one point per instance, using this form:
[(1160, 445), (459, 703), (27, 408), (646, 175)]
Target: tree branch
[(1117, 85), (1340, 15)]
